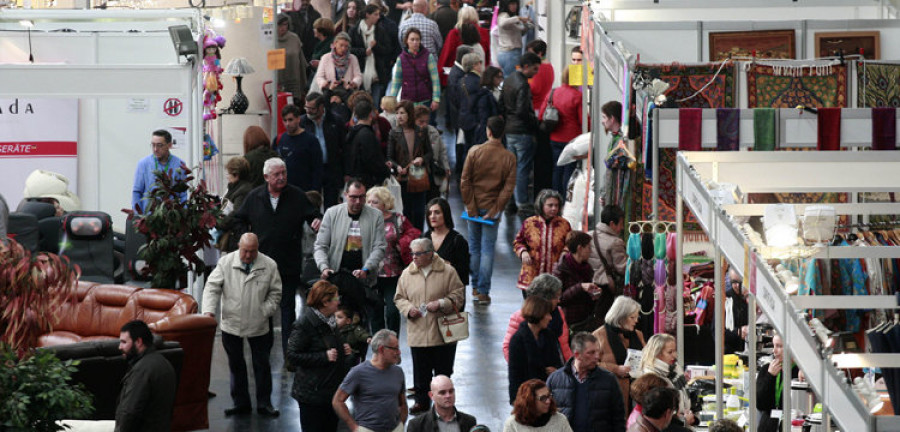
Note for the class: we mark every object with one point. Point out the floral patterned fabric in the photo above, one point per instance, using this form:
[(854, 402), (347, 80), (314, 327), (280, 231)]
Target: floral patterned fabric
[(685, 80), (807, 87), (544, 241)]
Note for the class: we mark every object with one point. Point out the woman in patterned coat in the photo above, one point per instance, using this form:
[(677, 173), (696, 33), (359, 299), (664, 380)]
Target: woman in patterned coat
[(542, 238)]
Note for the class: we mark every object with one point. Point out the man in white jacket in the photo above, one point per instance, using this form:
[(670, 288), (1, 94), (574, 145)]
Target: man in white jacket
[(250, 288)]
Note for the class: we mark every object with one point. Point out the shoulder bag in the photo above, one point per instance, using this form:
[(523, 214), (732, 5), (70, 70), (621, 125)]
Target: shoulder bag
[(615, 280), (550, 119), (454, 326), (417, 179)]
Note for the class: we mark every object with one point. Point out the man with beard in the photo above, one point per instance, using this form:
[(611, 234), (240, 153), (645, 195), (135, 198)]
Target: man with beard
[(148, 388), (276, 212), (330, 136), (300, 151)]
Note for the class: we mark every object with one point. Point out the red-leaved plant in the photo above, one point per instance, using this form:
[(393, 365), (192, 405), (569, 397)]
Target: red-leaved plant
[(175, 229), (32, 289)]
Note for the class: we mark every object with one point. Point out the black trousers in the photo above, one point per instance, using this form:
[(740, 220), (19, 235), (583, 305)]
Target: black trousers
[(428, 362), (318, 418), (260, 347), (289, 286)]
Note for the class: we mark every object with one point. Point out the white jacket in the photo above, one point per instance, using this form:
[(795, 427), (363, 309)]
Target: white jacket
[(248, 300)]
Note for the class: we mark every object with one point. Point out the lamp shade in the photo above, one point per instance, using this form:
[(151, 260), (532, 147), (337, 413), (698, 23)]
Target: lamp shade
[(239, 66)]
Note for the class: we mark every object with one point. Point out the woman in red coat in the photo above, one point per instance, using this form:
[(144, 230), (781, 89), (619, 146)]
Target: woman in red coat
[(567, 100), (466, 14)]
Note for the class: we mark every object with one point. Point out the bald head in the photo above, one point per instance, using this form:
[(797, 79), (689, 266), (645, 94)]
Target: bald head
[(420, 6), (248, 248), (443, 394)]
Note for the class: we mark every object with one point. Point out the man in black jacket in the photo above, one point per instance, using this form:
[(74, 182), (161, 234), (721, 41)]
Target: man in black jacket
[(276, 212), (443, 411), (586, 394), (521, 122), (330, 135), (148, 388), (363, 159)]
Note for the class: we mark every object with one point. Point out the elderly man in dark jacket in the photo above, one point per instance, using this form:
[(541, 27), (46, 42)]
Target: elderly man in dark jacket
[(521, 122), (148, 388), (586, 394)]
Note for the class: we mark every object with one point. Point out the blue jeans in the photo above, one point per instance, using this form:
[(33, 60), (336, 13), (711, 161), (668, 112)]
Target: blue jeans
[(377, 92), (482, 238), (523, 147), (561, 174), (508, 61), (260, 347)]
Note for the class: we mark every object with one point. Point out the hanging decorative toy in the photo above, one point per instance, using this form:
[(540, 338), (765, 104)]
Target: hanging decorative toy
[(212, 44)]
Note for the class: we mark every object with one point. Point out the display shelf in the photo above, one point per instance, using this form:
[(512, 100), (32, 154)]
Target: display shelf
[(796, 172)]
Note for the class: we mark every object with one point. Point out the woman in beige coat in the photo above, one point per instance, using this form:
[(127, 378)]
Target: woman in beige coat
[(428, 289), (616, 337)]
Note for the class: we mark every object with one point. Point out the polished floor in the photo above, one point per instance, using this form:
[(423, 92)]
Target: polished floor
[(480, 370)]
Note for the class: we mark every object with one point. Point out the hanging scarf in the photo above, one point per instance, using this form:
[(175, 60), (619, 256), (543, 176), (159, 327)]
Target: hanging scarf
[(368, 35), (633, 250), (331, 321), (341, 63), (614, 335)]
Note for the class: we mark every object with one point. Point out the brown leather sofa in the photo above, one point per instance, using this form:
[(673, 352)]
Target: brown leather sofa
[(99, 311)]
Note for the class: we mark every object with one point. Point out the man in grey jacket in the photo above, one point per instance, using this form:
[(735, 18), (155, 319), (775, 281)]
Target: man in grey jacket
[(249, 286), (351, 237)]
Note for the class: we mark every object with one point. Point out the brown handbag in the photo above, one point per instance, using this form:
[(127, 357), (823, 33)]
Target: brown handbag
[(417, 179)]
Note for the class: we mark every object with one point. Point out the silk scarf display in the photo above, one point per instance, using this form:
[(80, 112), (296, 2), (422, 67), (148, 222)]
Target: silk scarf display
[(787, 87), (878, 85)]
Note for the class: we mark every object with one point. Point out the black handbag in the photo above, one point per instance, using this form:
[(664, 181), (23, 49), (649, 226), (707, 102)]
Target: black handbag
[(550, 119)]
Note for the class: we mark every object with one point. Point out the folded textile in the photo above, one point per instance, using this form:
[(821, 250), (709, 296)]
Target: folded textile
[(728, 130), (829, 137), (884, 128), (689, 128), (764, 129)]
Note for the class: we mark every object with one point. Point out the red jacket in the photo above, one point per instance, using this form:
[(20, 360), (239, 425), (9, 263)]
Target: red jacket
[(541, 83), (452, 42), (567, 100)]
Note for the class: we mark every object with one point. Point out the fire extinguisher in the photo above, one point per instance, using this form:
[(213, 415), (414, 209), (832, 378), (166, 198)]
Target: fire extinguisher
[(284, 98)]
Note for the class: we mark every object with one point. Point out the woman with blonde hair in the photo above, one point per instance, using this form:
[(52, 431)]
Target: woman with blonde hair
[(616, 337), (465, 15), (660, 358), (398, 234)]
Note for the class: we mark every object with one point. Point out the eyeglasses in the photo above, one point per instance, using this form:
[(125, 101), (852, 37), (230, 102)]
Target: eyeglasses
[(311, 107), (418, 254), (545, 398)]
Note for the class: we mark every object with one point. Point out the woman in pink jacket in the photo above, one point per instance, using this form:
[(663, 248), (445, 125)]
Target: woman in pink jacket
[(338, 73)]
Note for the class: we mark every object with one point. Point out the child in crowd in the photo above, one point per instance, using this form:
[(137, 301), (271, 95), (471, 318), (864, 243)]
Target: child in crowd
[(389, 109), (353, 333)]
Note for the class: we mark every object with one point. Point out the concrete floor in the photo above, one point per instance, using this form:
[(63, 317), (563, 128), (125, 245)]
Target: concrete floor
[(480, 370)]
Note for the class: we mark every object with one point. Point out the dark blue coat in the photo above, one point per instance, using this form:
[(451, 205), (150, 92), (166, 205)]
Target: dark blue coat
[(607, 408), (454, 96)]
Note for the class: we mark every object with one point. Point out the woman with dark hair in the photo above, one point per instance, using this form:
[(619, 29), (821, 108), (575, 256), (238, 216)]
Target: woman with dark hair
[(542, 238), (415, 76), (639, 388), (351, 17), (579, 297), (533, 349), (323, 30), (534, 410), (408, 146), (237, 172), (449, 244), (257, 149), (374, 48), (320, 357), (465, 15), (510, 29)]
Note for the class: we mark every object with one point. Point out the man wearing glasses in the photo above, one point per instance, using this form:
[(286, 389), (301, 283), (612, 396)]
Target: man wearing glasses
[(377, 387), (330, 134), (351, 237), (427, 290), (589, 396), (160, 160)]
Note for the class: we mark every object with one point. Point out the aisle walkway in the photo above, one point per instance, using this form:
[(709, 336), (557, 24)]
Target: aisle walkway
[(480, 371)]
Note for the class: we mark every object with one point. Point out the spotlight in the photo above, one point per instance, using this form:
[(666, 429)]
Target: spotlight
[(780, 224), (184, 41)]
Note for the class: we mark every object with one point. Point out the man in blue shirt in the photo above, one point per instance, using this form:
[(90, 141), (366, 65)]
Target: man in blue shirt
[(160, 160), (300, 151)]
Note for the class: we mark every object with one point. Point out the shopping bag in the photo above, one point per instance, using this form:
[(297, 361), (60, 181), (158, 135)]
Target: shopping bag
[(417, 180), (393, 186)]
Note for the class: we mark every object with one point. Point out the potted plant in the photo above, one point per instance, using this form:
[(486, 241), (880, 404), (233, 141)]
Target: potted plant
[(36, 392), (175, 229)]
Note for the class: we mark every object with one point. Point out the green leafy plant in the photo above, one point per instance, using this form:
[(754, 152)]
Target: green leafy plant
[(32, 289), (175, 230), (35, 391)]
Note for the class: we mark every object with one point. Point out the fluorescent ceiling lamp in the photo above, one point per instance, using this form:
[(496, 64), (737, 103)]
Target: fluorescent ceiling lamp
[(780, 224), (819, 223)]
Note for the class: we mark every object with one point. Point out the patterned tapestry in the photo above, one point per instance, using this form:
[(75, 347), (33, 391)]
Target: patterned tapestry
[(812, 87), (879, 85), (684, 81)]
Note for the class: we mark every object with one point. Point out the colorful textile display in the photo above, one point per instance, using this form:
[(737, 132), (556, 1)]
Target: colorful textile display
[(764, 129), (620, 174), (829, 125), (884, 128), (689, 129), (685, 80), (878, 84), (788, 86), (728, 131)]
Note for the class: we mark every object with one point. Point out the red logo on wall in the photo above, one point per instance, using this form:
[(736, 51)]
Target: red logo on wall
[(172, 107)]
